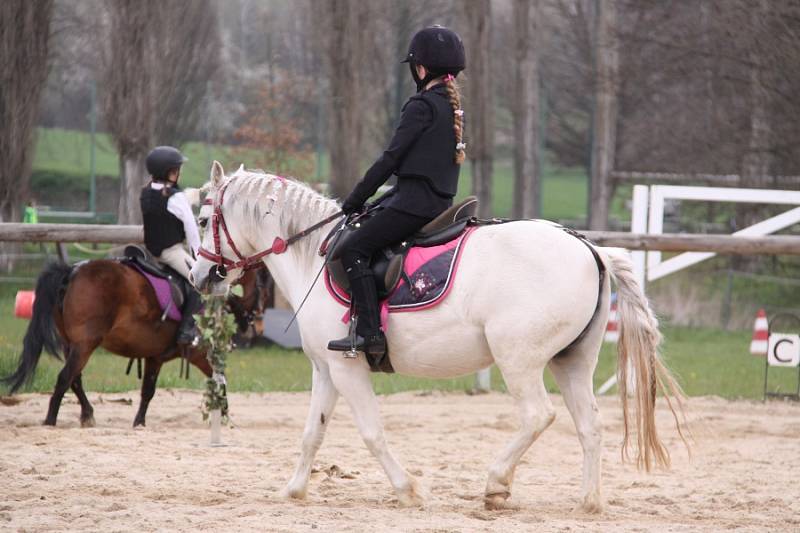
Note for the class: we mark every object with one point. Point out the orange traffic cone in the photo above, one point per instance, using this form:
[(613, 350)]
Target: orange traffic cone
[(23, 304), (612, 329), (758, 346)]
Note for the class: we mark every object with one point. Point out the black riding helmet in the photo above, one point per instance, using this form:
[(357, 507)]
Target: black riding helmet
[(162, 159), (439, 50)]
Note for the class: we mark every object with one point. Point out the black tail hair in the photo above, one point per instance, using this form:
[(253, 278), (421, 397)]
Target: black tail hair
[(42, 332)]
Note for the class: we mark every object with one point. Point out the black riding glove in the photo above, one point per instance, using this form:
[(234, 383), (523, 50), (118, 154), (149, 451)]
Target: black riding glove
[(351, 205)]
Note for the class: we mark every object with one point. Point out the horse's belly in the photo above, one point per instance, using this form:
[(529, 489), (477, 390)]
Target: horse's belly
[(440, 347)]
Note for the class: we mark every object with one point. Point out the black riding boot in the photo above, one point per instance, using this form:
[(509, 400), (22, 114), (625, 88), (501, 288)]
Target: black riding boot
[(187, 331), (369, 337)]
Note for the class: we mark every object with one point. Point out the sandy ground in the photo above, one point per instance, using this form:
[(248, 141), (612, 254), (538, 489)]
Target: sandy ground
[(744, 473)]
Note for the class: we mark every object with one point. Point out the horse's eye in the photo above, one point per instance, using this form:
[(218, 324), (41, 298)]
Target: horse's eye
[(203, 221)]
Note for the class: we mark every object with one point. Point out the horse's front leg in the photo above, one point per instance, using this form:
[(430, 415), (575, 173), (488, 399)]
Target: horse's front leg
[(323, 401), (152, 367), (351, 378)]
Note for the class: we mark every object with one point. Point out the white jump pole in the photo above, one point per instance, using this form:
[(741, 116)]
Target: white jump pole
[(215, 417)]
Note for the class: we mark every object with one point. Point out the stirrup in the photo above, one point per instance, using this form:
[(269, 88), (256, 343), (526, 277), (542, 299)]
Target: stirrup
[(352, 353)]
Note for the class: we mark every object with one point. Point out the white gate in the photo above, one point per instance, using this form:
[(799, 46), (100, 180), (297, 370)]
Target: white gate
[(647, 217)]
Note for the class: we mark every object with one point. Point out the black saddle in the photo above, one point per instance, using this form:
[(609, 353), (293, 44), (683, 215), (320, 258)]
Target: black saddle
[(139, 257), (387, 265)]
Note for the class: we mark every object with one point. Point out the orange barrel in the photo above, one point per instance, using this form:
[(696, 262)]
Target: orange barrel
[(23, 304)]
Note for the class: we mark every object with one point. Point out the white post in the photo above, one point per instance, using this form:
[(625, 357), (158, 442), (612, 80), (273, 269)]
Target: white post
[(215, 417), (639, 208), (483, 380)]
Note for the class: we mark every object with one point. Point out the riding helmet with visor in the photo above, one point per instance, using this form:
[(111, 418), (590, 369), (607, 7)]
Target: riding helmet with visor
[(438, 49), (162, 159)]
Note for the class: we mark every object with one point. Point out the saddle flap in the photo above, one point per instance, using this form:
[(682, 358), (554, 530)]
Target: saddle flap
[(143, 260)]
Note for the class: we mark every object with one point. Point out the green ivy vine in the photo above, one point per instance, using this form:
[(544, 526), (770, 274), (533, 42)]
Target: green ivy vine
[(217, 328)]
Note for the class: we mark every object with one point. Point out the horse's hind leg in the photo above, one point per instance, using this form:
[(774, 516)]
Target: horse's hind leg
[(152, 367), (87, 411), (323, 401), (573, 373), (76, 356), (351, 378), (523, 371), (536, 415)]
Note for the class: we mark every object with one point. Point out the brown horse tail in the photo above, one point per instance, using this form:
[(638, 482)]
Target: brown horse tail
[(638, 353), (42, 332)]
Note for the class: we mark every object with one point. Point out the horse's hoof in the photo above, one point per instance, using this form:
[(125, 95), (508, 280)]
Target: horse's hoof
[(497, 501), (592, 504), (293, 494), (49, 423), (411, 495), (88, 422), (138, 423)]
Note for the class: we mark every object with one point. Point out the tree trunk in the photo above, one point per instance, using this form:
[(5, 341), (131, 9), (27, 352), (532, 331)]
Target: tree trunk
[(155, 79), (527, 185), (344, 22), (479, 116), (605, 114), (133, 176), (757, 160), (24, 42), (24, 48)]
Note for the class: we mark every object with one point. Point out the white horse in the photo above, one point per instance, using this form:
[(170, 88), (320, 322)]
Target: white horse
[(524, 292)]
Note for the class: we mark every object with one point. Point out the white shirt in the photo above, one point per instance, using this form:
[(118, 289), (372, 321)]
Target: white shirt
[(179, 206)]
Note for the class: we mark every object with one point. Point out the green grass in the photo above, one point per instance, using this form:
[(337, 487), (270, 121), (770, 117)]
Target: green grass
[(707, 362), (67, 152), (564, 190)]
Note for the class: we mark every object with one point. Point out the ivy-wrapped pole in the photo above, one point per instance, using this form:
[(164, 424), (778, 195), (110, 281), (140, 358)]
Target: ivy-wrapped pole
[(217, 328)]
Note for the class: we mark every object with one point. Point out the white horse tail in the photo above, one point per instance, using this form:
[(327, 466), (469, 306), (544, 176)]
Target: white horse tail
[(638, 351)]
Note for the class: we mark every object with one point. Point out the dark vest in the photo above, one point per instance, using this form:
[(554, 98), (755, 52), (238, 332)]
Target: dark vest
[(162, 229), (433, 155)]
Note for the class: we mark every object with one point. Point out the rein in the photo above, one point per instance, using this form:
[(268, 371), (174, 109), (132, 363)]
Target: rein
[(252, 262)]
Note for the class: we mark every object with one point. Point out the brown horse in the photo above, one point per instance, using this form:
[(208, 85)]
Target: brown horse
[(105, 303)]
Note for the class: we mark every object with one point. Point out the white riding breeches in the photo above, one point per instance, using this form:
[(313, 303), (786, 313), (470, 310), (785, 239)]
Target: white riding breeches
[(178, 258)]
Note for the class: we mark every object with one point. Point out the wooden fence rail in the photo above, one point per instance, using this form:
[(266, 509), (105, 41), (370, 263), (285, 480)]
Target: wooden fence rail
[(722, 244)]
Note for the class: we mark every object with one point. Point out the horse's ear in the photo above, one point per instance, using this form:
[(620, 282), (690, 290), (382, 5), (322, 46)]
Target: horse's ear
[(217, 174)]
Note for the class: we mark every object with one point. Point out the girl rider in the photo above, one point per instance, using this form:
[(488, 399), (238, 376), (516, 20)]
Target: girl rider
[(425, 153), (168, 222)]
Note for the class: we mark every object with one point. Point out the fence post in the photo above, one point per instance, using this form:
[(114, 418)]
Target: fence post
[(483, 380)]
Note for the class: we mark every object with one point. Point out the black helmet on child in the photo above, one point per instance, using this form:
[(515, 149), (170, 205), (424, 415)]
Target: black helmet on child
[(162, 159), (438, 49)]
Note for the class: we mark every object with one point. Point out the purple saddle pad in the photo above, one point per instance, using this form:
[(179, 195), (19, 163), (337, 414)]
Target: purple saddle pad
[(163, 293)]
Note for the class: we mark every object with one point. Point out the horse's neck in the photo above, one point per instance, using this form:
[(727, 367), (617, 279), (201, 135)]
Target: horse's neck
[(298, 208), (294, 273), (295, 270)]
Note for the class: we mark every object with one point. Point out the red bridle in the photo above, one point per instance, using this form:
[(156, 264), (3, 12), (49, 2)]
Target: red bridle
[(251, 262)]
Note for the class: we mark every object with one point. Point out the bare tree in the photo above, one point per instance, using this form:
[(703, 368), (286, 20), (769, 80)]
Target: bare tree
[(605, 116), (480, 101), (24, 40), (525, 110), (161, 56), (343, 21)]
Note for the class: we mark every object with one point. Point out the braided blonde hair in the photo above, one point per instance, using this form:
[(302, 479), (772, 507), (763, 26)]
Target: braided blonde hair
[(458, 117)]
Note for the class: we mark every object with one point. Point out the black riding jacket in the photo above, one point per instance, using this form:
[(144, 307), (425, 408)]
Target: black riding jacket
[(421, 154), (162, 229)]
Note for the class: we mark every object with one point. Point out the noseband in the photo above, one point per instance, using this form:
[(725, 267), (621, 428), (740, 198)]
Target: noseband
[(251, 262)]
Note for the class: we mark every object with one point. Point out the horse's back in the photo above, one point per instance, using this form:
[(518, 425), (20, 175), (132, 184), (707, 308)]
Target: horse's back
[(529, 282), (109, 301), (529, 262)]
